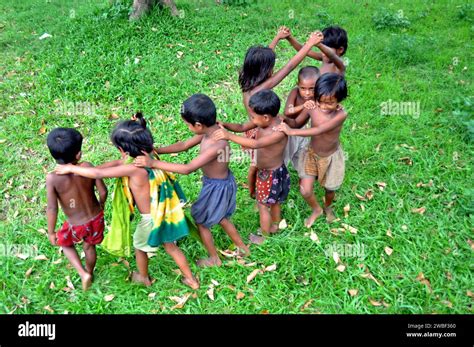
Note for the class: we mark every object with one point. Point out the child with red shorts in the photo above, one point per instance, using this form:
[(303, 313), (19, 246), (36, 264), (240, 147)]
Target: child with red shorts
[(76, 195), (273, 179)]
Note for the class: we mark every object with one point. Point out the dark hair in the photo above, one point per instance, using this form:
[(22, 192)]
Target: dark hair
[(330, 84), (64, 144), (265, 102), (133, 136), (335, 37), (199, 108), (258, 63), (308, 72)]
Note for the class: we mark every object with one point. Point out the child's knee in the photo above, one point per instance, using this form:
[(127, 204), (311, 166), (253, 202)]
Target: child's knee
[(87, 246), (170, 247), (306, 191)]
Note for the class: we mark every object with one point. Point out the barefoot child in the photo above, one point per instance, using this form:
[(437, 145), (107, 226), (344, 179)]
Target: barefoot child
[(145, 189), (299, 97), (324, 158), (256, 75), (85, 215), (273, 180), (216, 201), (333, 47)]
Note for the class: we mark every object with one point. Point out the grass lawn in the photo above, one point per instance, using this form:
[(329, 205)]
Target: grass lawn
[(97, 64)]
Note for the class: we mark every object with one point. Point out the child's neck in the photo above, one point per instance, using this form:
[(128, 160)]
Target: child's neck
[(209, 130), (273, 123)]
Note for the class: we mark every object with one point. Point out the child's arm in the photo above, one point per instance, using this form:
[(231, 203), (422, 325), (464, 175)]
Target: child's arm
[(100, 185), (126, 170), (299, 121), (282, 33), (296, 45), (110, 163), (290, 108), (333, 57), (317, 130), (239, 128), (52, 208), (274, 80), (265, 141), (180, 146), (202, 159)]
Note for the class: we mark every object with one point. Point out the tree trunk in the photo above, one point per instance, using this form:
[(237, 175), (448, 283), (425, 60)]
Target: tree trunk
[(141, 7)]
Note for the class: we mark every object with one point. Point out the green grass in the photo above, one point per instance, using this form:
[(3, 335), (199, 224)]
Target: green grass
[(90, 59)]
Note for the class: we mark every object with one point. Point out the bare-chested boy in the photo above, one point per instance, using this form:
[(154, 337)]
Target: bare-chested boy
[(76, 195), (217, 200), (300, 97), (324, 159), (273, 180)]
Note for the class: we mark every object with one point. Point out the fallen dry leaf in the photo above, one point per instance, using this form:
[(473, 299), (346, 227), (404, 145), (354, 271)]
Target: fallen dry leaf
[(369, 194), (210, 292), (28, 272), (313, 236), (69, 283), (422, 279), (419, 210), (375, 302), (270, 268), (253, 274), (353, 292), (362, 207), (52, 286), (240, 296), (60, 260), (406, 161), (388, 250), (381, 185), (48, 308), (306, 304), (347, 208), (109, 297), (370, 276), (335, 257), (180, 301), (341, 268), (22, 256), (283, 224), (179, 54), (352, 230), (469, 294), (421, 184), (41, 257), (113, 116), (447, 303), (389, 233), (214, 282), (360, 197)]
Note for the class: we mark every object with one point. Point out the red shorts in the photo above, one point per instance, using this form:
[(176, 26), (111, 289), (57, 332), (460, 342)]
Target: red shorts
[(91, 232)]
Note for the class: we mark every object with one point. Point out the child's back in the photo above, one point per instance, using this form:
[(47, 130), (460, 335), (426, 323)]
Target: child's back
[(76, 196)]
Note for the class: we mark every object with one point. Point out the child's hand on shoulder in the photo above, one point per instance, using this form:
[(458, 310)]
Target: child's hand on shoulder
[(310, 105), (64, 169), (220, 134), (284, 128), (143, 160)]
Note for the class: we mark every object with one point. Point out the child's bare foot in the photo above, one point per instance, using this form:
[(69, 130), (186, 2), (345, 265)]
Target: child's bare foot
[(330, 217), (274, 228), (256, 239), (308, 222), (207, 262), (86, 281), (137, 278), (193, 283)]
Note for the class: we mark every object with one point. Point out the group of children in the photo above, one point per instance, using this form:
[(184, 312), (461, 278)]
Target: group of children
[(272, 141)]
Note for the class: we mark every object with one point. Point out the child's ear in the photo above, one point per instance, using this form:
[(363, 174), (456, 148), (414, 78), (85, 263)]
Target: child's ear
[(78, 155), (198, 125), (340, 51)]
